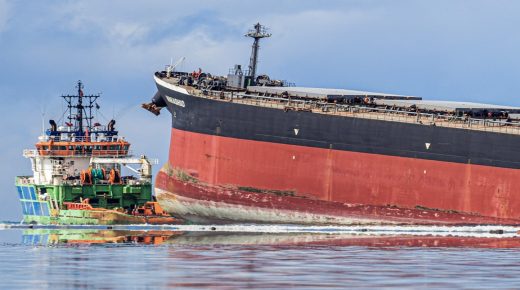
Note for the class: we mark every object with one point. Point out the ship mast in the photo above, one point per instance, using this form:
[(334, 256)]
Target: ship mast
[(83, 112), (257, 33)]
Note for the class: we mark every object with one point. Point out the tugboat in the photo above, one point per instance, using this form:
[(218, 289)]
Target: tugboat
[(77, 173)]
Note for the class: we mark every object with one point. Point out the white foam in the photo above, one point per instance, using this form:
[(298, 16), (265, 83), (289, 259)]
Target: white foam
[(459, 231), (376, 230)]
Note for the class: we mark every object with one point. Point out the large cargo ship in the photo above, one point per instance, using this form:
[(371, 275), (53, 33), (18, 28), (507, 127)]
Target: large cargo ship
[(77, 173), (247, 148)]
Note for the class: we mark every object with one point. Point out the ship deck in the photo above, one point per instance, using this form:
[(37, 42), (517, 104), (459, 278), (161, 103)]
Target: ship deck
[(442, 118)]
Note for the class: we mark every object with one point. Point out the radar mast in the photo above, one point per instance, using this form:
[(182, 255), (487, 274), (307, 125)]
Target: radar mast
[(257, 33), (82, 111)]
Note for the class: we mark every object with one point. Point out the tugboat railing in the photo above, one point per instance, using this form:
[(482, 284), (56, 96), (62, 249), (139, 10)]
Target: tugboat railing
[(24, 180), (28, 153), (91, 139)]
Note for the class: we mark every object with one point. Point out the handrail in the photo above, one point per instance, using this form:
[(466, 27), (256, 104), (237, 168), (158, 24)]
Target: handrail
[(25, 180), (365, 112), (76, 181), (76, 153), (92, 139)]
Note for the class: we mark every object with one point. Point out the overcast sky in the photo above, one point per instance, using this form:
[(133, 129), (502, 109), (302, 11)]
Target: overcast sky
[(448, 50)]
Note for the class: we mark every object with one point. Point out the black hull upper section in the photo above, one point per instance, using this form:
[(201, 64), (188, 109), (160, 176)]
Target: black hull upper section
[(215, 117)]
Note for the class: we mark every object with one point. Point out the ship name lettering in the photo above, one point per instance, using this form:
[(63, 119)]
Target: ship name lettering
[(175, 101)]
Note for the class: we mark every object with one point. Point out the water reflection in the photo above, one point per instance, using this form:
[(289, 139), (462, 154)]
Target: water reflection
[(93, 236), (163, 259), (171, 237)]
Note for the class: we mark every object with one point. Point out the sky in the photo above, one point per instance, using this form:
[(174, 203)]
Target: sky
[(444, 50)]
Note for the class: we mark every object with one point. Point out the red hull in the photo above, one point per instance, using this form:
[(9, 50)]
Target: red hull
[(329, 182)]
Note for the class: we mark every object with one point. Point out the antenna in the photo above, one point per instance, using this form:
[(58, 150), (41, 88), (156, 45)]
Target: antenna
[(82, 111), (43, 120), (257, 33)]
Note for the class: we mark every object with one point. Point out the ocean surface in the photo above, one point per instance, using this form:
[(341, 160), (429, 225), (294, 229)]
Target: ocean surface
[(249, 256)]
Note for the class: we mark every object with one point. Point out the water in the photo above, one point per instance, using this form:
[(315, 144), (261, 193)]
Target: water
[(256, 257)]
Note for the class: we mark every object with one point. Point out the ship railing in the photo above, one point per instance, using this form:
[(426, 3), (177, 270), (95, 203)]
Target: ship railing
[(92, 138), (366, 112), (28, 153), (434, 119), (128, 160), (24, 180), (258, 100), (74, 129), (124, 181)]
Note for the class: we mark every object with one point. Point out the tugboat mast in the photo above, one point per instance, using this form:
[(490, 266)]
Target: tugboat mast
[(79, 106), (257, 33), (81, 113)]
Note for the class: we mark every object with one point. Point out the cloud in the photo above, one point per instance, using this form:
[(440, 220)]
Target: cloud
[(141, 37), (127, 32), (111, 37)]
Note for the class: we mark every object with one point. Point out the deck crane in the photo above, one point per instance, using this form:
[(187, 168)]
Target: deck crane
[(170, 68)]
